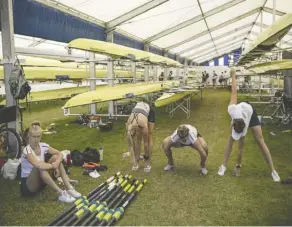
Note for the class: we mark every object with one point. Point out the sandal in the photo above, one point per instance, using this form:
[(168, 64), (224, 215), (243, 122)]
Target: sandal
[(147, 168), (135, 167)]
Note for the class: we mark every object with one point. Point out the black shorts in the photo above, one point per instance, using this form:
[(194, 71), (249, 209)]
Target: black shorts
[(24, 191), (254, 120), (151, 116)]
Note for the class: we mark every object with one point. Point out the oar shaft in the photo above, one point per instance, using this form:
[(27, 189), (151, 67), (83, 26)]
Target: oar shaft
[(90, 194), (103, 201), (112, 219)]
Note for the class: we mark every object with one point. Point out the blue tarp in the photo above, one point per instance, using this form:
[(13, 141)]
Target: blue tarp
[(126, 41), (34, 19), (155, 50)]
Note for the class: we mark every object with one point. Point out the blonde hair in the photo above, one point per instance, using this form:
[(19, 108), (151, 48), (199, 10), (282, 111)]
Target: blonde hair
[(34, 127), (183, 131)]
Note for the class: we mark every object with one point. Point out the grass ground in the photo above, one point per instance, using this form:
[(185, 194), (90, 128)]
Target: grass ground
[(181, 197)]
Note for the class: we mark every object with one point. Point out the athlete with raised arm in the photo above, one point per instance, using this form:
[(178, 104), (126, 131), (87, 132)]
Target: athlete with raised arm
[(243, 115)]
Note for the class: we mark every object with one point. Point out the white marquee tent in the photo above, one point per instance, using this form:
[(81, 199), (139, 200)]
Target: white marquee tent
[(199, 30)]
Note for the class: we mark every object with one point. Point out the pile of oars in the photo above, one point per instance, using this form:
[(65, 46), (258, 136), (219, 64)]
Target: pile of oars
[(103, 206)]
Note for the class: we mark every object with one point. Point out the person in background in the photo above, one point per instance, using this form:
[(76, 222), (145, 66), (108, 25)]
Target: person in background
[(140, 126), (214, 79), (203, 77), (185, 135), (243, 115), (221, 79), (170, 77), (161, 76), (226, 77), (36, 171)]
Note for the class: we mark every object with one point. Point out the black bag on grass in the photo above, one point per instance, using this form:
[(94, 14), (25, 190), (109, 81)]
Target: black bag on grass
[(77, 158), (91, 155)]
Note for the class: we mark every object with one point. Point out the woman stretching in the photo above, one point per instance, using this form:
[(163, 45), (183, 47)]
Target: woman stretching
[(185, 135), (36, 172), (243, 116), (139, 127)]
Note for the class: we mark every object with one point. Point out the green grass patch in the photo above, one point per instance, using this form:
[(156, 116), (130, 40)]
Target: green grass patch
[(181, 197)]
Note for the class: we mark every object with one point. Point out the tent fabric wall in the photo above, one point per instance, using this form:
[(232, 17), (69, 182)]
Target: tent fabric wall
[(225, 59), (172, 56), (226, 62), (127, 41), (34, 19), (155, 50), (216, 61), (181, 60)]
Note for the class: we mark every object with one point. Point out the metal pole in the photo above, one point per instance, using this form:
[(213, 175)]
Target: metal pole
[(110, 69), (177, 73), (165, 74), (260, 89), (7, 29), (93, 81), (274, 11), (177, 69), (146, 73), (134, 72), (155, 77), (262, 12)]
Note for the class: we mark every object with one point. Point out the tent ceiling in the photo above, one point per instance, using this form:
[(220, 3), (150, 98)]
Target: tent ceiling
[(188, 28)]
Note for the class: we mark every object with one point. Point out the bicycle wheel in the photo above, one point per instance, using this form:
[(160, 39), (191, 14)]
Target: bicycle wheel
[(10, 142), (272, 115)]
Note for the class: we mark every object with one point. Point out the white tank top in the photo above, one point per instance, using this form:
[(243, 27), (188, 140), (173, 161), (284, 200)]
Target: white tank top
[(143, 106), (26, 166), (192, 137)]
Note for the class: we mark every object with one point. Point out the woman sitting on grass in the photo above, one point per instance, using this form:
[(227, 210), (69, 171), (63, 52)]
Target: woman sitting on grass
[(244, 116), (36, 171), (140, 126)]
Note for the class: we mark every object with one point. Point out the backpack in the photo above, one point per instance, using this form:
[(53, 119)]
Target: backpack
[(19, 87), (77, 158), (91, 155)]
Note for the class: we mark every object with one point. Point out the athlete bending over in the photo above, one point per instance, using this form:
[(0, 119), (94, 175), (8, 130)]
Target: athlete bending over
[(243, 115), (139, 127)]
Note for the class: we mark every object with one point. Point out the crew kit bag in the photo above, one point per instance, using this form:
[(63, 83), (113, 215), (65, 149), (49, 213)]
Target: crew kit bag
[(91, 155), (19, 87)]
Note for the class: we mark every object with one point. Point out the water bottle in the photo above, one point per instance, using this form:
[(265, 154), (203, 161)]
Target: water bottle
[(101, 153)]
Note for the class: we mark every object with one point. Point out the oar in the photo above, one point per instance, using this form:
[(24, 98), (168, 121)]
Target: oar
[(83, 200), (96, 205), (103, 204), (115, 214), (79, 214), (128, 189)]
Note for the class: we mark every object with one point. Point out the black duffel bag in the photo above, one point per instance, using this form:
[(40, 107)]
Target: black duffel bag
[(77, 158), (91, 155)]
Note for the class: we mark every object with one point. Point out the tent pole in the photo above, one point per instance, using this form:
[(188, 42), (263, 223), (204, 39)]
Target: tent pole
[(8, 51)]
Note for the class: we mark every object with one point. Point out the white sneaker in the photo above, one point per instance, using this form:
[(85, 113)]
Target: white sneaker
[(168, 167), (135, 167), (74, 193), (65, 197), (221, 170), (204, 171), (275, 176)]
